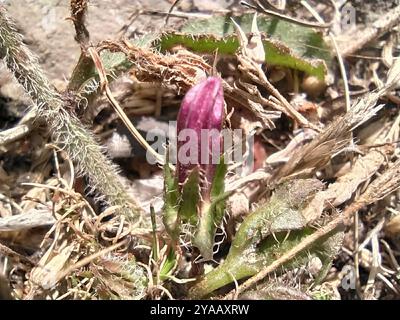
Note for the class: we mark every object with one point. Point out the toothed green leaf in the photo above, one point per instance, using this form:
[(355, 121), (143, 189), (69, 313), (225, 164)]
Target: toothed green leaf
[(252, 259), (205, 232), (168, 265), (218, 189), (286, 44), (218, 184), (281, 213), (331, 249), (262, 238), (190, 198), (171, 201), (211, 214), (85, 70)]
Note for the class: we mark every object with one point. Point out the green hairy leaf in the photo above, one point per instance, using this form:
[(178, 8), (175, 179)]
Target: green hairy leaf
[(267, 234), (286, 44)]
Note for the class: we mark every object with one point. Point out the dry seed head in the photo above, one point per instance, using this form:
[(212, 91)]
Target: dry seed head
[(252, 46)]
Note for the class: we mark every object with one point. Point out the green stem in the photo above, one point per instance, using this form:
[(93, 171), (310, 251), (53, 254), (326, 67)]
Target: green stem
[(221, 276)]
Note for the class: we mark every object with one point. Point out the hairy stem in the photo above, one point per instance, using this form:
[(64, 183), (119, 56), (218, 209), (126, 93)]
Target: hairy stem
[(67, 131)]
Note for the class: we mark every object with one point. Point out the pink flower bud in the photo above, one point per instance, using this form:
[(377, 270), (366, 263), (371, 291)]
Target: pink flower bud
[(199, 128)]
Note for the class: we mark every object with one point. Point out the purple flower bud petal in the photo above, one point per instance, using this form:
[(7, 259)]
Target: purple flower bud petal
[(202, 108)]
